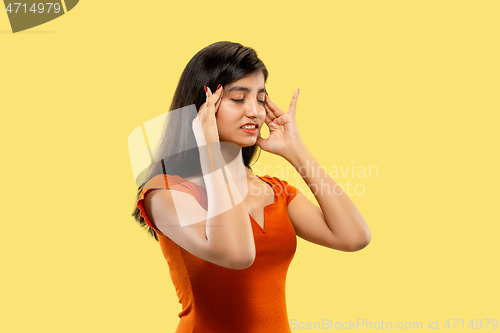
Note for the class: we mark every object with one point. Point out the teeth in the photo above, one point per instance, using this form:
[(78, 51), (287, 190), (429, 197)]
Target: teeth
[(248, 126)]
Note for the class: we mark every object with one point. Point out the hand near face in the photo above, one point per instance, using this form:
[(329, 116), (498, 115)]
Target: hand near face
[(283, 132)]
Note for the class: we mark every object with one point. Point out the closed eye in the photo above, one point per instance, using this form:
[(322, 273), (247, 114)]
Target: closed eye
[(241, 101)]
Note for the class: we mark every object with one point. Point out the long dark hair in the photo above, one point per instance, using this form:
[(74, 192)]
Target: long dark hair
[(219, 63)]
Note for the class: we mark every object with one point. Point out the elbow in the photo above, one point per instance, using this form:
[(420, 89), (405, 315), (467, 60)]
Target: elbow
[(234, 258), (241, 262), (359, 246), (360, 243), (240, 259)]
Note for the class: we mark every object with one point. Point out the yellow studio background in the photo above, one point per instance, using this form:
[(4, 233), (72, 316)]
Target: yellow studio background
[(408, 87)]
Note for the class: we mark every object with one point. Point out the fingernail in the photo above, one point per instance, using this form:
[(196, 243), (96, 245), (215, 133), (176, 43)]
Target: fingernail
[(267, 93), (218, 87), (206, 90)]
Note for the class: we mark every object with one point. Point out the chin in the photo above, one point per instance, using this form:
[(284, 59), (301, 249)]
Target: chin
[(248, 143), (241, 143)]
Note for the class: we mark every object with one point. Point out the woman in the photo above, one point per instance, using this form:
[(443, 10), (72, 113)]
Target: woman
[(229, 236)]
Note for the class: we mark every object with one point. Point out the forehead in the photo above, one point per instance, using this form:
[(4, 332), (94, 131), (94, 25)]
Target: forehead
[(254, 81)]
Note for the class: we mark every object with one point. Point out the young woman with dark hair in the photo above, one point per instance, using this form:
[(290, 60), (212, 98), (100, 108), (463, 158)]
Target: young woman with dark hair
[(228, 235)]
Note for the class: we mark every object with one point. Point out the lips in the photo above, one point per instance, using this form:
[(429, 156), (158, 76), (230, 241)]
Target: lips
[(250, 130), (254, 124)]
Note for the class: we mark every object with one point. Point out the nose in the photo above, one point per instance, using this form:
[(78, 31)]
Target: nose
[(254, 110)]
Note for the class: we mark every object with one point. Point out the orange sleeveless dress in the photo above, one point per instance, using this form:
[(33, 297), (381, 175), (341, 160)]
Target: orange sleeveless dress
[(216, 299)]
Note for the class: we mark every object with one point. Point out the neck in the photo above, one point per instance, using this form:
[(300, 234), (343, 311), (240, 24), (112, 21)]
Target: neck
[(233, 155)]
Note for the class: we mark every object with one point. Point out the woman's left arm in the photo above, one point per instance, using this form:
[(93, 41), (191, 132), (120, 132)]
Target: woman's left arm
[(338, 224)]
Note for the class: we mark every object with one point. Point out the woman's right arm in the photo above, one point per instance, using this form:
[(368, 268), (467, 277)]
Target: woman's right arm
[(223, 233), (225, 239)]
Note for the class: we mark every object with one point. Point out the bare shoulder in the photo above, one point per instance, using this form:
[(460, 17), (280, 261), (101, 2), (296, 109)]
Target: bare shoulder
[(179, 216), (169, 209)]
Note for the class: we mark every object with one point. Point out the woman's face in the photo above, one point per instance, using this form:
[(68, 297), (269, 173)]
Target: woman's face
[(243, 102)]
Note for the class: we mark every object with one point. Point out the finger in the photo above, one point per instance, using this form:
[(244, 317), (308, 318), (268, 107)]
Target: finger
[(269, 112), (214, 98), (261, 141), (268, 121), (219, 93), (272, 124), (202, 108), (293, 104), (211, 100), (275, 110), (207, 101), (209, 96), (217, 105), (205, 107), (216, 95)]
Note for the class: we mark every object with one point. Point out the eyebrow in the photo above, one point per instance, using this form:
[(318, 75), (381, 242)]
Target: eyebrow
[(240, 88)]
